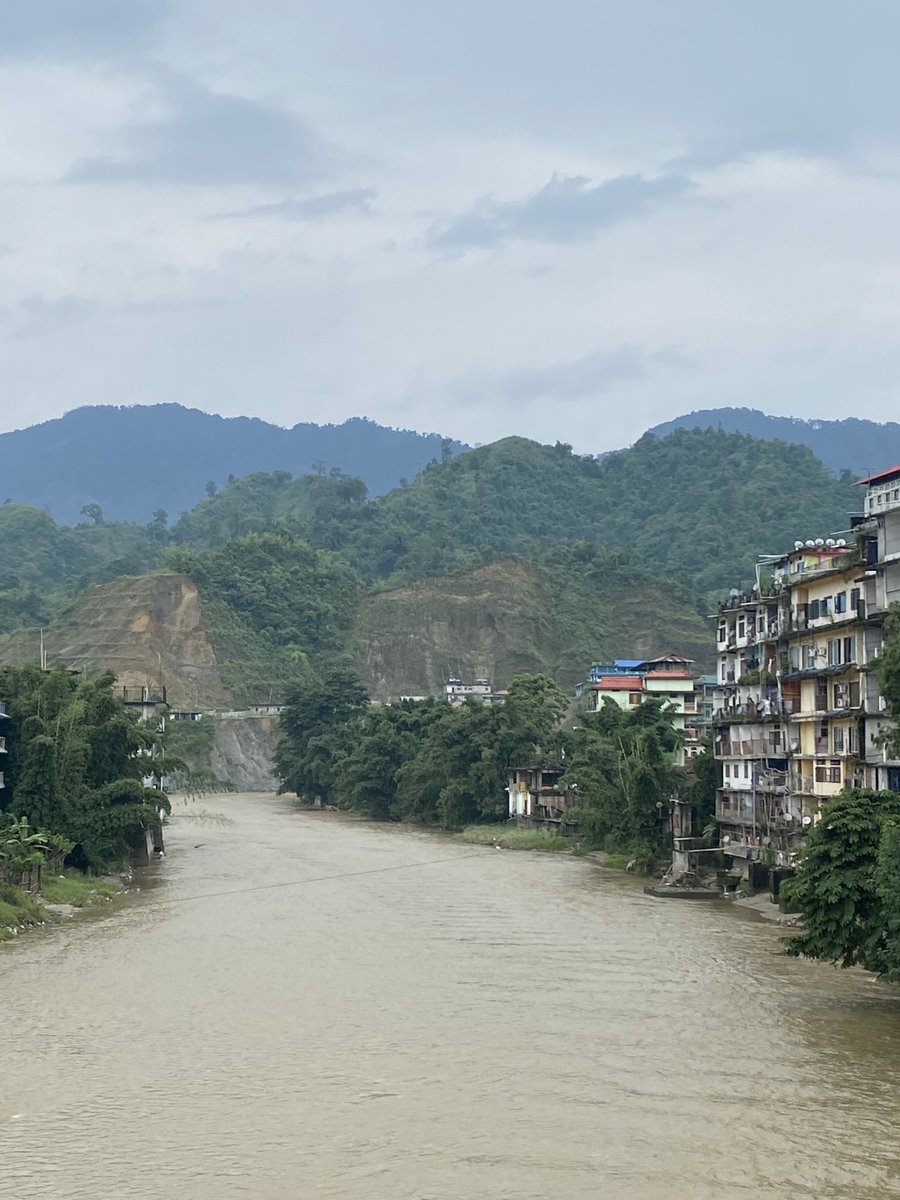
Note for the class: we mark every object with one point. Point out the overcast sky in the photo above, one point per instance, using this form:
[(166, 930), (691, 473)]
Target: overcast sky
[(567, 220)]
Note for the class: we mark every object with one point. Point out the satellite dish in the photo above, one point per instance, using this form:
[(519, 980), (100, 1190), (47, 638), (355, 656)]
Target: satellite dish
[(734, 592), (809, 542), (798, 545), (820, 541), (830, 542), (726, 840), (807, 820), (842, 542)]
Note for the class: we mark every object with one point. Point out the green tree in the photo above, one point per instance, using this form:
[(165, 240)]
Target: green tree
[(316, 731), (620, 770), (76, 761), (838, 886), (93, 512)]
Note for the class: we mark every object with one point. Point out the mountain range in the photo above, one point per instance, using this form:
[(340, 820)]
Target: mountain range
[(133, 461)]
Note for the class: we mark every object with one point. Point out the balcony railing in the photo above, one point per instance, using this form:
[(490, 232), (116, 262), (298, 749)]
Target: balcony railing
[(750, 748), (751, 711)]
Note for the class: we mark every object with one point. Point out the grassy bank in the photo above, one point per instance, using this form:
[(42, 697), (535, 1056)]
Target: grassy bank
[(22, 910), (509, 837), (76, 889), (18, 910)]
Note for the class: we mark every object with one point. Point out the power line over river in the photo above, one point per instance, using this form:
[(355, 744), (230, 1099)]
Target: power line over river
[(304, 1005)]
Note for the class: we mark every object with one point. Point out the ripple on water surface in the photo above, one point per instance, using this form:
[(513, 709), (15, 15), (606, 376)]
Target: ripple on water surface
[(407, 1017)]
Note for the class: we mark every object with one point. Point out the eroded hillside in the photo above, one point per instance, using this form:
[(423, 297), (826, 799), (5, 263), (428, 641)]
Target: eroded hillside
[(494, 621), (508, 617), (147, 630)]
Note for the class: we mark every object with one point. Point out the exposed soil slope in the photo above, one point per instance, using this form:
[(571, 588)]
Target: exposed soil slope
[(506, 617), (147, 629)]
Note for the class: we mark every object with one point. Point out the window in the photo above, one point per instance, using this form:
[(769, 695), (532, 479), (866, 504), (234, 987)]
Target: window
[(634, 697), (834, 652), (837, 739), (812, 610), (840, 602), (854, 694), (849, 650), (794, 658), (826, 607), (809, 657), (830, 773), (741, 627), (853, 740)]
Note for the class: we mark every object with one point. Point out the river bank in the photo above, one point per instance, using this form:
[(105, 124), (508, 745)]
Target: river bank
[(306, 1004), (60, 897)]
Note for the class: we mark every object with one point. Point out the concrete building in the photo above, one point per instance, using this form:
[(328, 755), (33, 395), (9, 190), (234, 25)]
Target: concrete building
[(630, 681), (803, 717), (456, 691), (879, 534)]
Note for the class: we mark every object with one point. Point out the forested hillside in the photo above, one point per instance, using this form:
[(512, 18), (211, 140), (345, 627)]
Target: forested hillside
[(698, 505), (852, 444), (133, 461), (614, 557)]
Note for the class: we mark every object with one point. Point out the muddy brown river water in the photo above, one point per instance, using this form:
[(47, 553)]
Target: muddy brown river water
[(305, 1006)]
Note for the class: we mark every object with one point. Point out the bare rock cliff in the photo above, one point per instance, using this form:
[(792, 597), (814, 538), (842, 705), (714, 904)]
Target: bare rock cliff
[(242, 752)]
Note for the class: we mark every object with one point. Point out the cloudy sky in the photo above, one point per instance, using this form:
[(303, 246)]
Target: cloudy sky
[(569, 220)]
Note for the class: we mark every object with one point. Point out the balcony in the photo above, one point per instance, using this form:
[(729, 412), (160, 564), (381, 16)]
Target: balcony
[(766, 710), (750, 748)]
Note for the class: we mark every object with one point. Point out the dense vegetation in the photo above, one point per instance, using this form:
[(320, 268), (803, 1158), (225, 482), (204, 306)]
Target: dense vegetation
[(846, 884), (697, 506), (274, 606), (437, 764), (75, 763), (852, 444), (644, 539)]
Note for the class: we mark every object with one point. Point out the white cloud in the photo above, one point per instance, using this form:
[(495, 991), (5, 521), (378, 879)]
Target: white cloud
[(708, 235)]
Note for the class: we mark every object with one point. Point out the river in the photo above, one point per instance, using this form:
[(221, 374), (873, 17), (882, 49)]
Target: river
[(300, 1005)]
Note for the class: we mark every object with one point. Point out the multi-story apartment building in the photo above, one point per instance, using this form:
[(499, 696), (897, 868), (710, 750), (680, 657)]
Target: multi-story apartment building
[(803, 716), (751, 734), (820, 677), (879, 533)]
